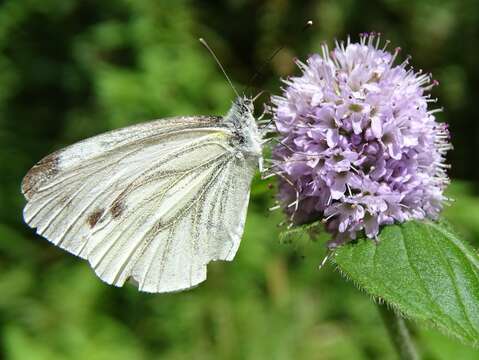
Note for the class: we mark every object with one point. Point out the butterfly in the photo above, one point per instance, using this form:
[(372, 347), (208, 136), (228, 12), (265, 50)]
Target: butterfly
[(152, 203)]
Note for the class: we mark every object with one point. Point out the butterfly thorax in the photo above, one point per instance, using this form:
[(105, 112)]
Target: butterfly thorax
[(242, 122)]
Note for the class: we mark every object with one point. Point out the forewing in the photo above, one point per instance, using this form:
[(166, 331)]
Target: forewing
[(153, 202)]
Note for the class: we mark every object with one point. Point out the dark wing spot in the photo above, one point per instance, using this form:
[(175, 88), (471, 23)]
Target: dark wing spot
[(117, 209), (41, 172), (93, 218)]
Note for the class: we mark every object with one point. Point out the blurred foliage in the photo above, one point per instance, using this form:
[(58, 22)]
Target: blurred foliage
[(70, 69)]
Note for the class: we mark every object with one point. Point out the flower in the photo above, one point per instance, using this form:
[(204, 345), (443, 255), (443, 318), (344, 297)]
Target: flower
[(357, 145)]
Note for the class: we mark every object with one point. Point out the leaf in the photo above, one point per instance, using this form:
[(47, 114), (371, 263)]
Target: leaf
[(422, 269)]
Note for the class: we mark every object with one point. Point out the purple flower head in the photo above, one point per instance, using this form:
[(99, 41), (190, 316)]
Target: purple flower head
[(358, 146)]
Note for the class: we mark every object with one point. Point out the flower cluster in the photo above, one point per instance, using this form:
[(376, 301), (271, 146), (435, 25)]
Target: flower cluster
[(358, 147)]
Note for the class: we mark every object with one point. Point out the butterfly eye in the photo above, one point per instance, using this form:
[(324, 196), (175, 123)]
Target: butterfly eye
[(248, 105)]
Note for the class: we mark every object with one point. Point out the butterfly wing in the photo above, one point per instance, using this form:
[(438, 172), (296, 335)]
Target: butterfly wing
[(153, 202)]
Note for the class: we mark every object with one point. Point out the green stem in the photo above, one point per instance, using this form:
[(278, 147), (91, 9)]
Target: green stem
[(398, 333)]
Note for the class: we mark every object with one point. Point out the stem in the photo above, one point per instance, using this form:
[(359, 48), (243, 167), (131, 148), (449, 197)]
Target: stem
[(398, 333)]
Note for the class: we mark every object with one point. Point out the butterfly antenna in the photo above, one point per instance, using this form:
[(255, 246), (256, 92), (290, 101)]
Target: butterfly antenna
[(308, 24), (219, 64), (258, 95)]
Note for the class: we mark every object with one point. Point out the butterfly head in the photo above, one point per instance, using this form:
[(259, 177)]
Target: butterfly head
[(244, 105), (241, 113)]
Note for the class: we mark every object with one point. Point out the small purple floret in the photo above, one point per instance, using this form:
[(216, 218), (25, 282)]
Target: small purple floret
[(358, 146)]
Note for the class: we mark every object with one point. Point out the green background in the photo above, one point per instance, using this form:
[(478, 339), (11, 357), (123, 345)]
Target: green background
[(70, 69)]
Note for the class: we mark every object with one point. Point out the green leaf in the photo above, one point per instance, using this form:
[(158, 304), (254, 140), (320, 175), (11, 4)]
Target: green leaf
[(422, 269)]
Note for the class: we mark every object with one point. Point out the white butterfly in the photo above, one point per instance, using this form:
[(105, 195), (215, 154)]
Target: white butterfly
[(153, 202)]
